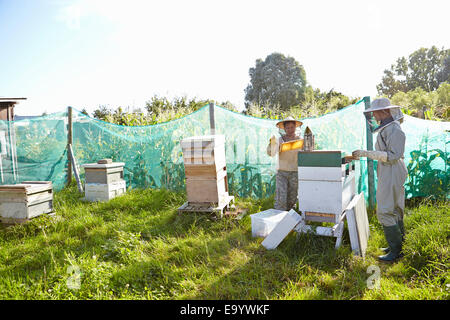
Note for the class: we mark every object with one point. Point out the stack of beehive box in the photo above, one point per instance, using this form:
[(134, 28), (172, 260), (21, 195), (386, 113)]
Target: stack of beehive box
[(326, 184), (104, 180), (205, 169), (21, 202)]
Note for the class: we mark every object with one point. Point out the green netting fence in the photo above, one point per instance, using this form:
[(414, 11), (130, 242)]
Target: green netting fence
[(36, 149)]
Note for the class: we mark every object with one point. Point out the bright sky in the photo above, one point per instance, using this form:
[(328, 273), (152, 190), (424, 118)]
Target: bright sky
[(86, 53)]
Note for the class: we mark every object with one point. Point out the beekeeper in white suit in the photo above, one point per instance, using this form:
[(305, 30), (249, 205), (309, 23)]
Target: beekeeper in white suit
[(391, 172)]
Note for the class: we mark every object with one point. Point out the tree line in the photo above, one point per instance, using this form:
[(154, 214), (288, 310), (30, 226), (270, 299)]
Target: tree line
[(278, 87)]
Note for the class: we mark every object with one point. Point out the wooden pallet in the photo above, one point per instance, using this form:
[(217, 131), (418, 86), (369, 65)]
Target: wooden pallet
[(206, 207)]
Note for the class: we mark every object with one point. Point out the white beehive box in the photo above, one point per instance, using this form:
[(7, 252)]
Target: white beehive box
[(104, 192), (24, 201), (325, 185), (265, 221), (103, 181)]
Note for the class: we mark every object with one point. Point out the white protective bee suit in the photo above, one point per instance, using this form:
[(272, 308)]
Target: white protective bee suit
[(391, 174), (391, 169)]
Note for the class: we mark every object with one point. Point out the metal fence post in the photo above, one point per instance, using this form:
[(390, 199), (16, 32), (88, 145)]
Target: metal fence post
[(371, 175), (212, 121), (69, 142)]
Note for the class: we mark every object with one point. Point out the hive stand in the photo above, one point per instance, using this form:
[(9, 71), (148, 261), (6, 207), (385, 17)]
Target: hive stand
[(217, 209), (326, 185)]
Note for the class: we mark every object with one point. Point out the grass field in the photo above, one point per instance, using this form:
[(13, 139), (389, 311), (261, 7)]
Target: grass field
[(138, 247)]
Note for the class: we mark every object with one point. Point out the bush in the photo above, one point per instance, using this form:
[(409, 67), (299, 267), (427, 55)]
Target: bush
[(432, 105)]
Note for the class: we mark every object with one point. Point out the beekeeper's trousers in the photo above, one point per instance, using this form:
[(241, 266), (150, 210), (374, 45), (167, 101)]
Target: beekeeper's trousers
[(286, 190)]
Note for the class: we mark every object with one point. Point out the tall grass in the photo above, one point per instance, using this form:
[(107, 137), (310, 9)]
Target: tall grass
[(138, 247)]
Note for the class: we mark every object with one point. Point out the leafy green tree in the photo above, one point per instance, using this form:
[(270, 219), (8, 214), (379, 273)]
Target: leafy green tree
[(101, 113), (432, 105), (444, 73), (424, 68), (276, 81)]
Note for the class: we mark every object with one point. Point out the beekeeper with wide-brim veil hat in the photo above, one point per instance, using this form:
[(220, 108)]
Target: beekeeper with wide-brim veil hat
[(286, 181), (385, 119)]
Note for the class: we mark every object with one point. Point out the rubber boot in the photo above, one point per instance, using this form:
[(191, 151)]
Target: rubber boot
[(393, 237), (402, 230)]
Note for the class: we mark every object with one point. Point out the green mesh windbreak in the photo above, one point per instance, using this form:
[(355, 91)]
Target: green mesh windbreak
[(152, 154), (427, 157), (34, 150), (153, 158), (251, 172)]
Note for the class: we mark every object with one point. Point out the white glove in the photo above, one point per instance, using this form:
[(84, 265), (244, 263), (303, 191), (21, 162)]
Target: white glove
[(273, 147), (375, 155)]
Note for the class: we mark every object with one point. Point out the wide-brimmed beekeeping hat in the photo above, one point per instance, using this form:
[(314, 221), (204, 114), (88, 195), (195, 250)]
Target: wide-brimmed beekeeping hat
[(378, 105), (280, 124)]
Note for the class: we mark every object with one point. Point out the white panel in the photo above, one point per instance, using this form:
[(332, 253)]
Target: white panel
[(349, 190), (353, 233), (104, 192), (358, 224), (320, 196), (14, 210), (281, 230), (99, 187), (320, 173)]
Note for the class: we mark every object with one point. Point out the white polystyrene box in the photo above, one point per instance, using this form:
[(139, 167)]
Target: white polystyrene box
[(281, 230), (263, 222)]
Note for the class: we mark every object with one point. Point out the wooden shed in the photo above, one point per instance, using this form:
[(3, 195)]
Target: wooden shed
[(7, 108)]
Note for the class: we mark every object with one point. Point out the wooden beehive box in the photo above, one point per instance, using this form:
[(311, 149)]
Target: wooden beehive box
[(326, 184), (103, 180), (103, 173), (205, 169), (21, 202)]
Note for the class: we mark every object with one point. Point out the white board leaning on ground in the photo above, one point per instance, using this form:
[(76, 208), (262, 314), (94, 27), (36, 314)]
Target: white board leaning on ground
[(281, 230), (358, 224)]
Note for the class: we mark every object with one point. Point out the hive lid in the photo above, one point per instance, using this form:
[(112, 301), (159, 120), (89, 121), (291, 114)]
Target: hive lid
[(320, 158), (104, 161), (103, 165), (27, 187)]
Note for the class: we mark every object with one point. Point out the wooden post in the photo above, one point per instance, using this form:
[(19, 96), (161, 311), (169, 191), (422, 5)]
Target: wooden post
[(371, 175), (75, 167), (69, 142), (212, 122)]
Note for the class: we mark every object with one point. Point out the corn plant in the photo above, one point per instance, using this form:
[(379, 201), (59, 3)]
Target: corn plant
[(424, 179)]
